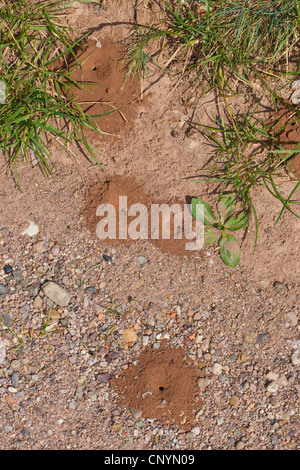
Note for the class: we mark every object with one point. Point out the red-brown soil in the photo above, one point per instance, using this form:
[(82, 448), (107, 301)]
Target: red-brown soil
[(106, 91), (288, 130), (162, 385), (109, 191)]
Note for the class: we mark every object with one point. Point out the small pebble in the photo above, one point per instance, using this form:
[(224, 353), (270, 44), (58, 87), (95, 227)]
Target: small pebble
[(201, 384), (279, 287), (108, 259), (15, 364), (129, 335), (15, 379), (37, 303), (197, 316), (142, 261), (31, 230), (91, 290), (196, 430), (7, 319), (234, 400), (104, 378), (7, 269), (217, 369), (292, 318), (136, 414), (17, 275), (272, 387), (239, 445), (3, 289), (263, 338), (56, 293), (249, 339), (295, 358)]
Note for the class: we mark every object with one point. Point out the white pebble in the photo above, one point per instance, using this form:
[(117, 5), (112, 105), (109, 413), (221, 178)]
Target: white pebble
[(273, 387), (196, 430), (31, 230), (217, 369), (295, 358)]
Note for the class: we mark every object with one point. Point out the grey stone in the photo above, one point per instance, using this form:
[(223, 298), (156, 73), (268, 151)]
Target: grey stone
[(3, 289), (2, 352), (23, 283), (91, 290), (104, 378), (295, 98), (222, 377), (64, 322), (142, 261), (17, 275), (111, 356), (263, 338), (15, 379), (7, 319), (56, 293), (136, 414)]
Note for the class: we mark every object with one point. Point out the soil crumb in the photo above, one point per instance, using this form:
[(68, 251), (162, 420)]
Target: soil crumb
[(109, 191), (161, 385)]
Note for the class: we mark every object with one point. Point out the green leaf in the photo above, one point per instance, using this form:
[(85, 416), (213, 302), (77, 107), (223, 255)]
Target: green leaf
[(230, 251), (236, 223), (226, 206), (210, 236), (202, 211)]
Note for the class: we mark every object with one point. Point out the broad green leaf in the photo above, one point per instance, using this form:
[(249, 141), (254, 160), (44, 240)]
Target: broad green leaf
[(226, 206), (202, 211), (210, 236), (230, 251), (236, 223)]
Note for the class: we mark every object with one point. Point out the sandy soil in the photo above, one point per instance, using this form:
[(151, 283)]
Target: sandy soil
[(238, 327)]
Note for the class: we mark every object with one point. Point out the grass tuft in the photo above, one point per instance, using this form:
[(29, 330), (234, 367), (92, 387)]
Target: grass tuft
[(221, 39), (35, 50)]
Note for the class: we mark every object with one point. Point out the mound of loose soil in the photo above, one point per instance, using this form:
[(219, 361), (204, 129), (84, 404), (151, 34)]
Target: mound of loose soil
[(108, 89), (289, 133), (162, 386), (108, 192)]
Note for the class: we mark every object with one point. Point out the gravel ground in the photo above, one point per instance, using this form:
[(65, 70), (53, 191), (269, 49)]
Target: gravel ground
[(54, 392)]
